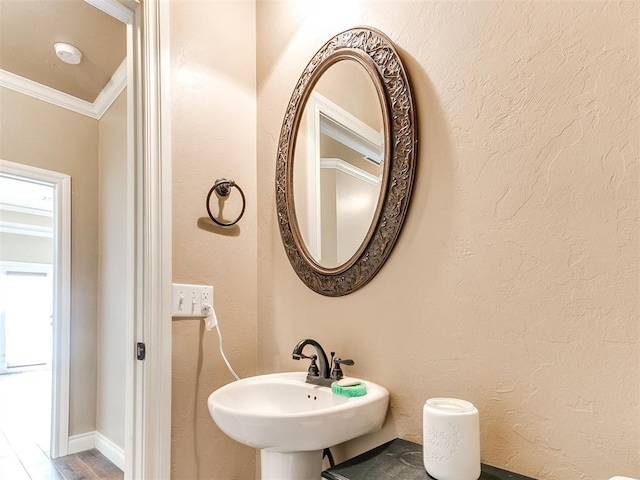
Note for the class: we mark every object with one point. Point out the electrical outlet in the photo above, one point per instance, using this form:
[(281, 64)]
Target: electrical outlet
[(187, 300), (207, 296)]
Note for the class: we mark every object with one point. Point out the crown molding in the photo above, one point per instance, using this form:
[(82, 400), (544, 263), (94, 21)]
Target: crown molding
[(46, 94), (111, 90), (95, 110), (117, 10)]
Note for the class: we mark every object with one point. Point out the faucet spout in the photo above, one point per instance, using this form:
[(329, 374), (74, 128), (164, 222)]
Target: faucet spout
[(323, 378)]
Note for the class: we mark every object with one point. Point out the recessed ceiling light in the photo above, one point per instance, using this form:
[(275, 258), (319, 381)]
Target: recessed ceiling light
[(68, 53)]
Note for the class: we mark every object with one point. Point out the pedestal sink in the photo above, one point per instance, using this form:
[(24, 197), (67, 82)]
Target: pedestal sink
[(291, 421)]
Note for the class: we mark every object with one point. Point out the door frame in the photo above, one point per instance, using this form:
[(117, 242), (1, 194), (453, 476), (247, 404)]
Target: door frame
[(148, 382), (61, 184)]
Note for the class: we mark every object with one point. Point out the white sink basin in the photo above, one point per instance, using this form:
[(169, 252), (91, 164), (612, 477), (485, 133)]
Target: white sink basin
[(281, 413)]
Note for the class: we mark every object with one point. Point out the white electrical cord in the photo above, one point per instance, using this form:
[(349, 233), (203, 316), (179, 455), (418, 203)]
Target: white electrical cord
[(224, 357), (211, 320)]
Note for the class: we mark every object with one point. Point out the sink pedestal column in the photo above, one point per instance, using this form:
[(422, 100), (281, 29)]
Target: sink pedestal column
[(291, 465)]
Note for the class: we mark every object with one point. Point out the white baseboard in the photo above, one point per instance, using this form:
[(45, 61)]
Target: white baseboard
[(81, 442), (89, 440), (110, 450)]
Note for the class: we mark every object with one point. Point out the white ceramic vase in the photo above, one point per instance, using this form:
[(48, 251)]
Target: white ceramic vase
[(451, 439)]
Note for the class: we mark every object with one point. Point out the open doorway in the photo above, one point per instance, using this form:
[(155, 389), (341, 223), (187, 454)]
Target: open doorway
[(26, 311), (34, 231)]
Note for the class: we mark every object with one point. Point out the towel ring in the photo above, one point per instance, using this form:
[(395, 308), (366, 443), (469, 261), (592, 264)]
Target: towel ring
[(222, 187)]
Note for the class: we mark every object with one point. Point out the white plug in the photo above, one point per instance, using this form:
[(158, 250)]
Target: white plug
[(210, 319)]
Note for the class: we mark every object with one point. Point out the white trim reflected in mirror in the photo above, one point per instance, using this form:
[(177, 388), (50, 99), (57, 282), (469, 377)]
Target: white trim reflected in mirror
[(324, 117), (346, 128), (349, 169)]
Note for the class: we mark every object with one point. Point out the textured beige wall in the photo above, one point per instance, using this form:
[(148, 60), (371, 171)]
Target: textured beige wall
[(39, 134), (213, 135), (112, 272), (514, 283)]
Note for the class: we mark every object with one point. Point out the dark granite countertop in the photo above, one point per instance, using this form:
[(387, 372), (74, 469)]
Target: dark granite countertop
[(399, 460)]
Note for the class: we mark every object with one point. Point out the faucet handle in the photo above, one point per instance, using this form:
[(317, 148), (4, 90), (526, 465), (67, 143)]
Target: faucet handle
[(313, 368), (346, 361), (314, 371), (336, 373)]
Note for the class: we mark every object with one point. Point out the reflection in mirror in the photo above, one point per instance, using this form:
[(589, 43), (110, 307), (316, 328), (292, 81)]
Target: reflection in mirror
[(338, 163)]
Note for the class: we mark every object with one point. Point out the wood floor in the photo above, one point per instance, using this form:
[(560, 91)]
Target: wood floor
[(33, 465), (24, 436)]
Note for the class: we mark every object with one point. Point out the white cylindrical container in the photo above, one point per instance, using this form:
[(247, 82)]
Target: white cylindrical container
[(451, 439)]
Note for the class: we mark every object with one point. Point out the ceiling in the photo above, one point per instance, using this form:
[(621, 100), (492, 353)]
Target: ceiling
[(29, 29)]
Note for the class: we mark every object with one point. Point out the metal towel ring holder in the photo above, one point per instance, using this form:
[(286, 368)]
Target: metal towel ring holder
[(222, 187)]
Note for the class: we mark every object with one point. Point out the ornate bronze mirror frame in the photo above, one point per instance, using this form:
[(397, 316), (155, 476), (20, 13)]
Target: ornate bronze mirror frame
[(376, 54)]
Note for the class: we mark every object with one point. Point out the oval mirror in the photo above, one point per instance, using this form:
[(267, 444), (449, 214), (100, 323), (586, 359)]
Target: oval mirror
[(346, 162)]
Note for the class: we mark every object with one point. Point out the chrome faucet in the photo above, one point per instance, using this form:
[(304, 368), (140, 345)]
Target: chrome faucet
[(318, 374)]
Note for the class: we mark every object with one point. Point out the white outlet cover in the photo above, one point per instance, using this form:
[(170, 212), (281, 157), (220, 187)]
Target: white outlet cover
[(187, 299)]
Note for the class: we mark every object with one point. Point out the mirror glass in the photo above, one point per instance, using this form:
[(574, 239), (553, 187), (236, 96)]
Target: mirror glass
[(338, 163)]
